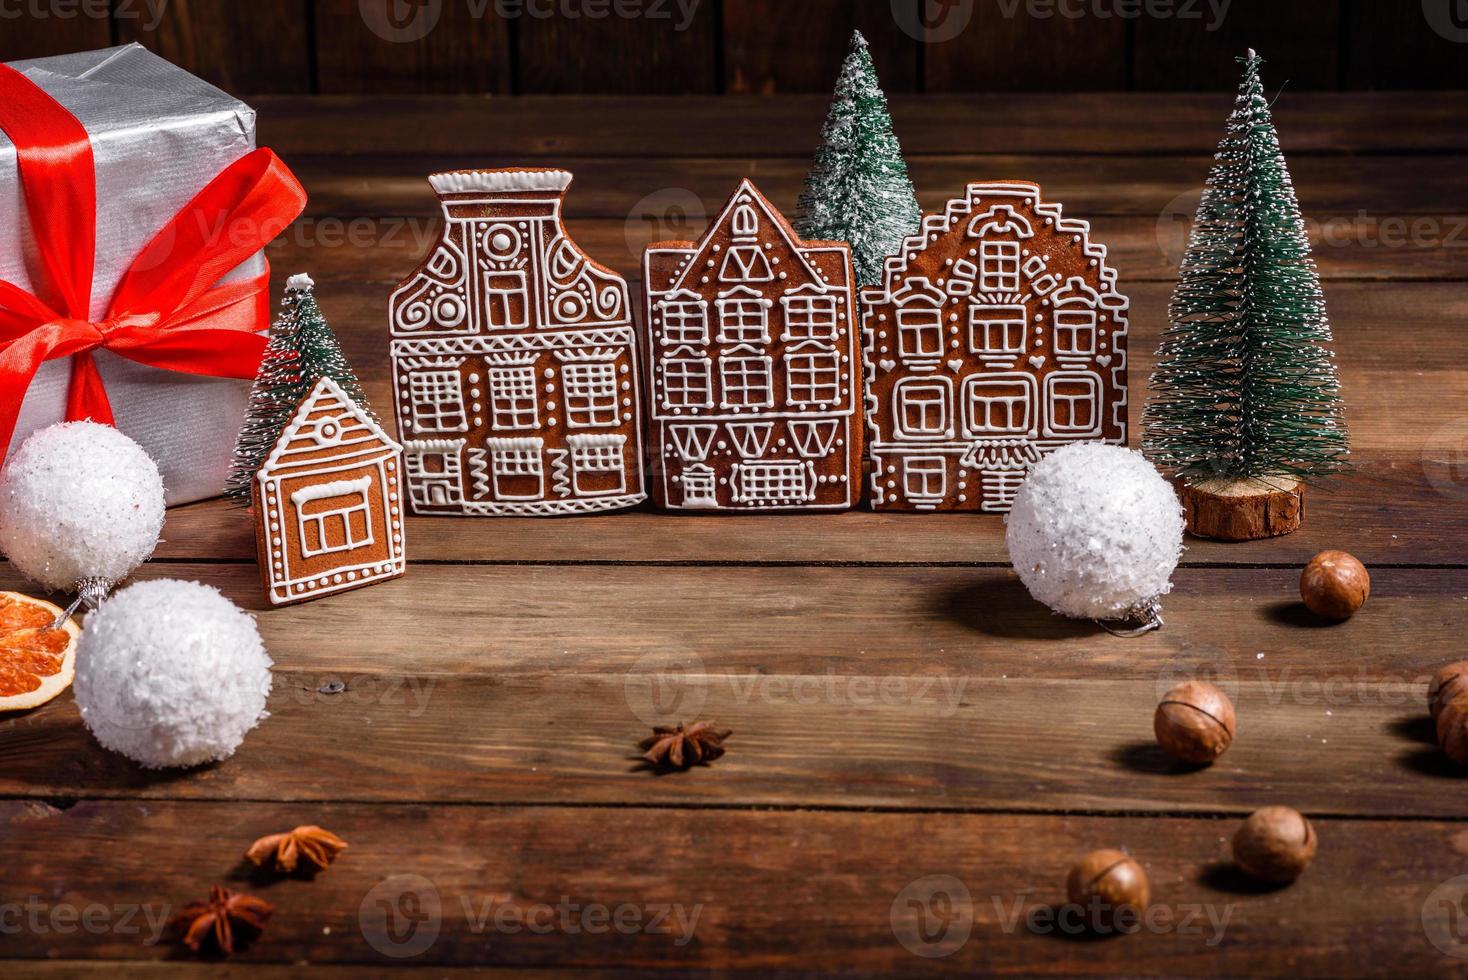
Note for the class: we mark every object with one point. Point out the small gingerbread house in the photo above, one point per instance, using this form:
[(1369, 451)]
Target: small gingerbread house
[(329, 501), (996, 336), (754, 366)]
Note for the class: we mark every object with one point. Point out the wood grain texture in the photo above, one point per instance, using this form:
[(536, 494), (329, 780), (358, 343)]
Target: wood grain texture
[(752, 889), (1166, 187), (385, 46), (1195, 47), (25, 35), (1406, 46), (245, 48), (773, 46), (736, 126), (638, 47), (972, 47)]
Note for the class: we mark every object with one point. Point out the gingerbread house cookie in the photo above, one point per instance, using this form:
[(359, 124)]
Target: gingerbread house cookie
[(328, 502), (996, 336), (753, 367), (514, 360)]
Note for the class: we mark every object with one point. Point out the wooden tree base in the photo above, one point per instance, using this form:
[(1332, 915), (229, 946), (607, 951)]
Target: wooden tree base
[(1243, 509)]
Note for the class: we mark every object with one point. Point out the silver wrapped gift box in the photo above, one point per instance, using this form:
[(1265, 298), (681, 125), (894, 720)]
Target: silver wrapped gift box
[(159, 135)]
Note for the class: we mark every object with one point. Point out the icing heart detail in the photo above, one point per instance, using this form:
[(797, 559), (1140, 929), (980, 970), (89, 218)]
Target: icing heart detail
[(1037, 361), (886, 364), (956, 365), (1103, 359)]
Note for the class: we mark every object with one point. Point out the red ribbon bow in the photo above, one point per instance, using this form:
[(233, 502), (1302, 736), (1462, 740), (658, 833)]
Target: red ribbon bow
[(167, 311)]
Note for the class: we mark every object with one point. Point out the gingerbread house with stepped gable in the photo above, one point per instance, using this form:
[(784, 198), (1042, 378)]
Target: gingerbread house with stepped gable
[(753, 367), (328, 501), (996, 336), (515, 371)]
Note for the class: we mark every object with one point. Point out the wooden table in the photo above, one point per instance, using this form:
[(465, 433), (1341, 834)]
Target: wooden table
[(901, 708)]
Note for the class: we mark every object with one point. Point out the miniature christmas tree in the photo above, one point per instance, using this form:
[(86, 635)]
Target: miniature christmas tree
[(1245, 399), (858, 190), (301, 351)]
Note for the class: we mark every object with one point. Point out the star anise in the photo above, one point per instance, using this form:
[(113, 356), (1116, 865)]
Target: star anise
[(681, 747), (218, 921), (307, 847)]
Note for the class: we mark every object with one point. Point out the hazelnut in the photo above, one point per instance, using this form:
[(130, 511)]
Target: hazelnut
[(1194, 722), (1452, 729), (1334, 585), (1105, 881), (1446, 685), (1275, 844)]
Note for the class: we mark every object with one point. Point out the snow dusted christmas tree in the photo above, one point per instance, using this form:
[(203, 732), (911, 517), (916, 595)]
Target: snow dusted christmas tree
[(1246, 401), (858, 190), (302, 350)]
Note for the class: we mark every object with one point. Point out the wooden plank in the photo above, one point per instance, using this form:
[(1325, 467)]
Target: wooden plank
[(383, 46), (1017, 123), (737, 890), (1384, 513), (914, 688), (632, 48), (1405, 46), (1330, 188), (772, 46), (1019, 47), (40, 31), (244, 48), (1143, 249), (1195, 47)]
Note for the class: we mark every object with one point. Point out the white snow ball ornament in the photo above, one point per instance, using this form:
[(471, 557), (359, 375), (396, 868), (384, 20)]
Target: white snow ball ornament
[(81, 506), (171, 673), (1095, 533)]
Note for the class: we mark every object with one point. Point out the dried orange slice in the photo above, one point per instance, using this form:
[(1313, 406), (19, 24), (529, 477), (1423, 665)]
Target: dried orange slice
[(36, 661)]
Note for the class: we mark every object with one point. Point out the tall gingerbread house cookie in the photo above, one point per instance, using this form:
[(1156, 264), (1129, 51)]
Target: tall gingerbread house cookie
[(329, 502), (514, 360), (995, 337), (753, 367)]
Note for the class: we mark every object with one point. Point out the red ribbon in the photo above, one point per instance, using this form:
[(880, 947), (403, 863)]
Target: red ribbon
[(167, 311)]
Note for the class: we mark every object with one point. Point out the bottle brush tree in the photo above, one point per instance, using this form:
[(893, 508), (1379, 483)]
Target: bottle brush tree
[(858, 190), (1245, 401), (301, 351)]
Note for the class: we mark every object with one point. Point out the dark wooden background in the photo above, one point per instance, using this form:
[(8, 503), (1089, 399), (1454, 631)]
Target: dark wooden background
[(762, 46)]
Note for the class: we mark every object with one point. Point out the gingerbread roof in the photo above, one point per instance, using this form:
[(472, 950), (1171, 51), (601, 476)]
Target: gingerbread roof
[(328, 428), (746, 194), (985, 202)]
